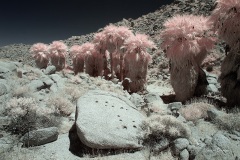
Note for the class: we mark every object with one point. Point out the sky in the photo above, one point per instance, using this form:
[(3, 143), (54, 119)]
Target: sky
[(44, 21)]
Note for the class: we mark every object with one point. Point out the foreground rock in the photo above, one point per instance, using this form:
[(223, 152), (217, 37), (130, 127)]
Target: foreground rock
[(40, 136), (106, 120)]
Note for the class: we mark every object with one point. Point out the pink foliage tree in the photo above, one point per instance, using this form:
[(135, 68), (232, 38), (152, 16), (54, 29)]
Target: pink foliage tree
[(94, 61), (187, 40), (136, 60), (227, 25), (58, 51), (111, 40), (40, 53), (78, 57)]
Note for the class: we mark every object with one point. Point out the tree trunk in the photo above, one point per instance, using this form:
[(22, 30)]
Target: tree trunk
[(229, 79)]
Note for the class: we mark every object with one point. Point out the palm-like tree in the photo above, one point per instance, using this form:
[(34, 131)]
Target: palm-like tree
[(58, 52), (186, 40), (77, 58), (110, 41), (136, 60), (94, 61), (40, 53), (227, 25)]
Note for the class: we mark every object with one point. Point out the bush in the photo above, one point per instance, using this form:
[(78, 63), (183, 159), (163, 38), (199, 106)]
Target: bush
[(61, 105), (156, 127), (26, 116), (228, 122), (196, 110), (22, 112)]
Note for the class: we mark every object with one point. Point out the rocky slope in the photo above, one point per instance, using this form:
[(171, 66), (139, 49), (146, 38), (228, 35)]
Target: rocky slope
[(209, 133)]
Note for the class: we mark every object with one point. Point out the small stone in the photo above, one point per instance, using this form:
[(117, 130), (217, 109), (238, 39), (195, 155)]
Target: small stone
[(212, 88), (40, 137), (3, 89), (175, 105), (137, 100), (50, 70), (212, 80), (35, 85), (151, 97), (179, 145), (184, 155), (213, 113)]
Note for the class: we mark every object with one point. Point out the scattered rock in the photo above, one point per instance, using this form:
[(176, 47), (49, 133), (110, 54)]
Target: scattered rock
[(50, 70), (137, 100), (179, 145), (40, 137), (221, 148), (214, 113), (175, 105), (35, 85), (184, 155), (212, 88), (3, 89), (4, 121), (152, 97)]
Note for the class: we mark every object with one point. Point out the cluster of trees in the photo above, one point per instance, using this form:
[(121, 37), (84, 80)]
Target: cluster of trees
[(187, 39), (114, 52)]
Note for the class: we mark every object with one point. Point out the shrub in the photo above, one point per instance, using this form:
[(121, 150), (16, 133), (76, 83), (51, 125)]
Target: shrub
[(196, 110), (61, 105), (186, 40), (58, 51), (158, 126), (228, 122), (136, 60), (22, 112), (40, 53)]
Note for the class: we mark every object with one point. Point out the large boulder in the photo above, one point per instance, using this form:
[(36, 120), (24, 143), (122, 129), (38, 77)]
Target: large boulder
[(106, 120)]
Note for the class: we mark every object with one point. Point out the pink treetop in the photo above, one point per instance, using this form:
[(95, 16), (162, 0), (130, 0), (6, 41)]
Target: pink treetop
[(226, 20), (116, 35), (77, 50), (112, 37), (138, 44), (58, 47), (186, 35), (100, 41), (87, 48), (40, 53), (74, 50), (39, 47)]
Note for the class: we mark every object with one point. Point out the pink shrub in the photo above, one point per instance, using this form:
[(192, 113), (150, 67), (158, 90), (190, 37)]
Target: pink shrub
[(78, 58), (58, 51), (136, 60), (40, 53)]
